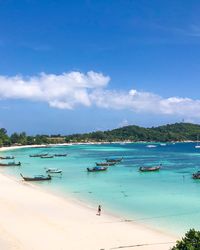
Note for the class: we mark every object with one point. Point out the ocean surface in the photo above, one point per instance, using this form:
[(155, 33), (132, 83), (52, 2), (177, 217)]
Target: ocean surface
[(168, 200)]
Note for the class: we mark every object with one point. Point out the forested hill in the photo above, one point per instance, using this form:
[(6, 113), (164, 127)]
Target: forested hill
[(169, 132)]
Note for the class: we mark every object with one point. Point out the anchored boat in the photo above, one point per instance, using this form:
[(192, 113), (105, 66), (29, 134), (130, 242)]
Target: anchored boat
[(118, 160), (38, 155), (96, 169), (54, 171), (10, 164), (7, 157), (105, 163), (46, 156), (196, 175), (149, 169), (37, 178), (60, 155)]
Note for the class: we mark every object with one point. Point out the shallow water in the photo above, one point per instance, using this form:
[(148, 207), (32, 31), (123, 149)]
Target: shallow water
[(168, 200)]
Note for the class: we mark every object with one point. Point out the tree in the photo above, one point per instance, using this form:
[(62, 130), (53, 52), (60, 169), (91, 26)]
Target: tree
[(4, 137), (1, 142), (19, 138), (22, 138), (14, 138), (40, 139), (191, 241), (30, 140)]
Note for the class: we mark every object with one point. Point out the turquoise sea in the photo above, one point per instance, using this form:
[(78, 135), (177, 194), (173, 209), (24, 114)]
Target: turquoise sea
[(168, 200)]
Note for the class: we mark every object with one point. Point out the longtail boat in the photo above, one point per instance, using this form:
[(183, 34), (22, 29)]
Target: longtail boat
[(37, 178), (97, 169), (38, 155), (54, 171), (196, 175), (7, 157), (46, 156), (60, 155), (10, 164), (149, 169), (115, 160), (105, 163)]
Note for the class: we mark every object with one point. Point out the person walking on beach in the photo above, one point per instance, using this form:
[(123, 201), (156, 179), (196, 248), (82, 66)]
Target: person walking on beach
[(99, 210)]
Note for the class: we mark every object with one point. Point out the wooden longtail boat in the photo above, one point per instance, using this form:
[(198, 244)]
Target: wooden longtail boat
[(97, 169), (10, 164), (37, 178), (105, 163), (149, 169), (60, 155), (196, 175), (115, 160), (54, 171), (7, 157), (46, 156), (38, 155)]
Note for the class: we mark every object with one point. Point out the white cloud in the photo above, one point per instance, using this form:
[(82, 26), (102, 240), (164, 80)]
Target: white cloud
[(68, 90), (60, 91), (146, 102)]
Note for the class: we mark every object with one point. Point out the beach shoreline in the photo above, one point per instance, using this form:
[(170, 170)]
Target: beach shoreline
[(111, 234), (7, 148), (60, 216)]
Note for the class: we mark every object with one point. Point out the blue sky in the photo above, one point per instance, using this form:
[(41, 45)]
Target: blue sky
[(144, 55)]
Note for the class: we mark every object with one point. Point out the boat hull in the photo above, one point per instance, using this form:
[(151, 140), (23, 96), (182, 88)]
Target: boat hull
[(10, 165), (46, 157), (36, 178), (196, 177), (38, 155), (114, 160), (54, 171), (149, 169), (60, 155), (96, 169), (7, 158), (104, 164)]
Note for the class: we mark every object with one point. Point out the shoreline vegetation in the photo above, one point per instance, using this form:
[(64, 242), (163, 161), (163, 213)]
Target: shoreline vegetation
[(178, 132)]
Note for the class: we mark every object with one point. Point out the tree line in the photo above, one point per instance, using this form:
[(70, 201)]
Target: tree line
[(165, 133)]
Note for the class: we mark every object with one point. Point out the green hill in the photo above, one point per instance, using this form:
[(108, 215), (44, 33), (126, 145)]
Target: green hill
[(169, 132)]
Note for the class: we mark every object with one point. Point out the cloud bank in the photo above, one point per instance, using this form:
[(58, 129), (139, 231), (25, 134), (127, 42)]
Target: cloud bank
[(68, 90), (63, 91)]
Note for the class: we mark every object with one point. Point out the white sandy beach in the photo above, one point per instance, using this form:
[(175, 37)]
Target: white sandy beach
[(32, 219)]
